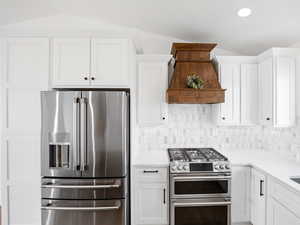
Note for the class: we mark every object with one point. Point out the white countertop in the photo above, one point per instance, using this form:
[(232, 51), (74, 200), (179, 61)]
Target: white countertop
[(276, 166)]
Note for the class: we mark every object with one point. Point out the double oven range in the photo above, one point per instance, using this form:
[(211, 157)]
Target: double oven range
[(85, 157), (200, 187)]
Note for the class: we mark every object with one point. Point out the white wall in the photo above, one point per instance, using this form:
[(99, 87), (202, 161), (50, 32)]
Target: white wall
[(145, 42)]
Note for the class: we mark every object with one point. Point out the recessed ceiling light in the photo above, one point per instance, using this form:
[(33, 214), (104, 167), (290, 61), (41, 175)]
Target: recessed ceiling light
[(244, 12)]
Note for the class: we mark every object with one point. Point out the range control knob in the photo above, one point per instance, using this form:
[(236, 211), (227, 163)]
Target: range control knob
[(217, 167), (222, 167), (173, 168), (227, 167), (186, 167), (179, 167)]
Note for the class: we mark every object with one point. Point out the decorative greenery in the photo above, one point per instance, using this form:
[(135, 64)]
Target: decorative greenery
[(194, 81)]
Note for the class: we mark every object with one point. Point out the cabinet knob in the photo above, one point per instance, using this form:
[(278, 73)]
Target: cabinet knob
[(93, 78), (85, 78), (164, 118), (223, 118), (268, 118)]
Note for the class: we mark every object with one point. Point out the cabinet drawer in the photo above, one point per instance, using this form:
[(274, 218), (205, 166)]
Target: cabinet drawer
[(152, 173), (286, 197)]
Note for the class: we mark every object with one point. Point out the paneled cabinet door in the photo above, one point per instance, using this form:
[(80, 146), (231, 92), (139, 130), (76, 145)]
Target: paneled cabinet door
[(284, 95), (249, 94), (266, 92), (230, 80), (279, 215), (151, 92), (110, 59), (151, 203), (258, 199), (71, 61), (240, 194)]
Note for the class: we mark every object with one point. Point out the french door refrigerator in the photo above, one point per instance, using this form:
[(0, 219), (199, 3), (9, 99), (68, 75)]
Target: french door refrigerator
[(85, 157)]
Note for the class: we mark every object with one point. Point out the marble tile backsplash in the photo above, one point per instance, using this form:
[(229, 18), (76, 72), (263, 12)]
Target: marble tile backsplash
[(192, 126)]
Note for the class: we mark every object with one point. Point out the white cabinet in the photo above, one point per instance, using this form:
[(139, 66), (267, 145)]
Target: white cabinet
[(258, 197), (277, 87), (266, 92), (282, 204), (230, 80), (151, 196), (109, 62), (238, 75), (152, 84), (240, 194), (281, 215), (90, 62), (249, 93), (24, 73), (71, 60)]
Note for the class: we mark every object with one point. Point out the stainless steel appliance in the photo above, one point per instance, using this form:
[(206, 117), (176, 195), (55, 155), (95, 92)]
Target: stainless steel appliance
[(85, 157), (200, 187)]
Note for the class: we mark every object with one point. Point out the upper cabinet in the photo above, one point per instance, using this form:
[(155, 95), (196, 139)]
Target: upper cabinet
[(239, 76), (152, 83), (71, 61), (110, 62), (277, 68), (90, 62)]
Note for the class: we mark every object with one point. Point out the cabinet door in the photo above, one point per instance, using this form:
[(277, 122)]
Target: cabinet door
[(71, 61), (249, 94), (266, 92), (258, 201), (229, 113), (280, 215), (240, 194), (24, 72), (110, 58), (151, 91), (284, 94), (151, 203)]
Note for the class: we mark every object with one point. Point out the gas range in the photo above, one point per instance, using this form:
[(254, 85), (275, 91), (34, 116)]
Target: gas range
[(188, 160)]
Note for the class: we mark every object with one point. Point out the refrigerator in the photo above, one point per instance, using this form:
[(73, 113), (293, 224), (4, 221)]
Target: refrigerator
[(85, 157)]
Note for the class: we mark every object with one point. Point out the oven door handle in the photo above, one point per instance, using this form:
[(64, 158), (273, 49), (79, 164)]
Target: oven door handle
[(188, 204), (188, 178)]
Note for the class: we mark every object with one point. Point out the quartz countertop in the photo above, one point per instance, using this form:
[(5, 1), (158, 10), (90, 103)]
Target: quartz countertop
[(275, 166)]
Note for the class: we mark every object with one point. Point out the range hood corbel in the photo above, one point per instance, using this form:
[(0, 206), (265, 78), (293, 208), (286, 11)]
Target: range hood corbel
[(194, 58)]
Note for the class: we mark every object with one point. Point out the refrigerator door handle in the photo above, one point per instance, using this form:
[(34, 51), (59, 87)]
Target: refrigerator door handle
[(76, 133), (83, 133), (104, 186)]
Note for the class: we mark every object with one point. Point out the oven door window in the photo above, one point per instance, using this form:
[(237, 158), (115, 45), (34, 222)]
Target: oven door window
[(201, 187), (201, 215)]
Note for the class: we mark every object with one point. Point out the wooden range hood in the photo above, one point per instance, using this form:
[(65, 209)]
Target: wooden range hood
[(194, 58)]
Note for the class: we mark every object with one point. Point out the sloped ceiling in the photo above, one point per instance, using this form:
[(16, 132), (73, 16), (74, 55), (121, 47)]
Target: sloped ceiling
[(273, 23)]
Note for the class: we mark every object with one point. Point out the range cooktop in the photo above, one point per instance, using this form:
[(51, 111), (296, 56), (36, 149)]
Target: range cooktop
[(185, 160)]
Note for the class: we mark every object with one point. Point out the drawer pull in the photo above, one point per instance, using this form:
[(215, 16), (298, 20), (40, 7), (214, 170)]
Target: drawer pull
[(150, 171)]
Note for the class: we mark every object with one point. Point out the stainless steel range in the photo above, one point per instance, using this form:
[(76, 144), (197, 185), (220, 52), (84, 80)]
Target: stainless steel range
[(200, 187)]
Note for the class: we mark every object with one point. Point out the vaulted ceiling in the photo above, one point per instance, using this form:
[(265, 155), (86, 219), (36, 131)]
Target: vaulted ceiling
[(272, 23)]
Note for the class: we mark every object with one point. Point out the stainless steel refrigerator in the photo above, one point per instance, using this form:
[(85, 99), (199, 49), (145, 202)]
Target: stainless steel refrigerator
[(85, 157)]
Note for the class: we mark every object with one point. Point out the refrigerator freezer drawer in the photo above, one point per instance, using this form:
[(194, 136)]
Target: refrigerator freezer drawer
[(79, 212), (84, 188)]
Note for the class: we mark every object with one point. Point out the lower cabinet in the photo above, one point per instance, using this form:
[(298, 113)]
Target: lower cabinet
[(240, 194), (280, 215), (151, 196), (258, 197)]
